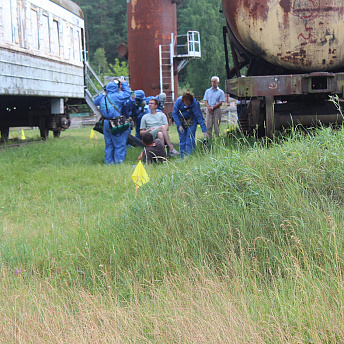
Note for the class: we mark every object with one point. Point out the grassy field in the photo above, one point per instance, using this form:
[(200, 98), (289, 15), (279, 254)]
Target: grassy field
[(240, 243)]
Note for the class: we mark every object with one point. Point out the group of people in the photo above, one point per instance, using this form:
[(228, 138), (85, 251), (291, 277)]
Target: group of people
[(151, 123)]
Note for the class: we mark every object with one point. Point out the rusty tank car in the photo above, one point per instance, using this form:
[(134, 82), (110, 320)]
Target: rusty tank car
[(293, 51), (150, 24)]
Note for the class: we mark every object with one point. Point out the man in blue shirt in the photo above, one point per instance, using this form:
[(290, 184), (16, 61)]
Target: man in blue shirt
[(214, 97)]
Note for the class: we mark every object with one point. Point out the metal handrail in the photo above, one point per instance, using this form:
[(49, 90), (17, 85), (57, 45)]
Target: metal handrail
[(193, 44), (90, 72)]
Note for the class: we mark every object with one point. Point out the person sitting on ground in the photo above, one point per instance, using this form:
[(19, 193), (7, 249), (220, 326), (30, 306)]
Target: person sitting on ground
[(161, 98), (156, 123), (187, 114), (154, 149)]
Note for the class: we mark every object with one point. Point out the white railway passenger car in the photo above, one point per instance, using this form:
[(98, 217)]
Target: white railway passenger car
[(41, 63)]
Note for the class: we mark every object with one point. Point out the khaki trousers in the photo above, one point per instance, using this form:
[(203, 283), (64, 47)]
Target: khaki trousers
[(213, 120)]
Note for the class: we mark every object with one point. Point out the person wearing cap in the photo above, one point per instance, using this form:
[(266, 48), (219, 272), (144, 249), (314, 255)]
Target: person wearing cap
[(187, 115), (213, 97)]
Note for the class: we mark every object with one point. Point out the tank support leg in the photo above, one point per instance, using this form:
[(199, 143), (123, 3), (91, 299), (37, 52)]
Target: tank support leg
[(269, 116)]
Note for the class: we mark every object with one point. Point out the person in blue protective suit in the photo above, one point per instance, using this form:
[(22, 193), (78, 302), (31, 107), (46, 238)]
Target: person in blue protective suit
[(135, 108), (161, 98), (110, 105), (187, 114)]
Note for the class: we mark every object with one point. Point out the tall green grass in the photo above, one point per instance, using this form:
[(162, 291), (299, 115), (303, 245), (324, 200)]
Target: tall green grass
[(242, 240)]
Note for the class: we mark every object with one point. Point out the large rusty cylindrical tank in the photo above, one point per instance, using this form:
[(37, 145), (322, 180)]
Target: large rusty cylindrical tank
[(150, 24), (298, 35)]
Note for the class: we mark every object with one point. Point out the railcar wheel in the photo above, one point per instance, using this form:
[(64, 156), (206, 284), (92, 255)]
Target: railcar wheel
[(5, 133), (43, 128), (244, 122), (57, 133), (44, 132)]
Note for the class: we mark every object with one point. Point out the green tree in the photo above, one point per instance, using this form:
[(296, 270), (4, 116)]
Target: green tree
[(203, 16), (106, 25), (119, 68), (99, 62)]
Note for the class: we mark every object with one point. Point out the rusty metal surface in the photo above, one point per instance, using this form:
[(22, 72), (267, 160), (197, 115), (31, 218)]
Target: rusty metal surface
[(299, 35), (283, 85), (122, 50), (150, 23)]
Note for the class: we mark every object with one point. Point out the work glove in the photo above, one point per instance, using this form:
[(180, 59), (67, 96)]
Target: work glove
[(121, 79), (181, 129)]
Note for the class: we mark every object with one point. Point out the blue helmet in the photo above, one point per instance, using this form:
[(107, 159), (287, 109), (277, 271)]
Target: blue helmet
[(111, 87), (140, 94)]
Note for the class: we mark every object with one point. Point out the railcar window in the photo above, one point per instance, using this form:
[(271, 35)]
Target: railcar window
[(55, 44), (44, 34), (15, 25), (77, 46), (33, 33), (22, 30), (6, 21)]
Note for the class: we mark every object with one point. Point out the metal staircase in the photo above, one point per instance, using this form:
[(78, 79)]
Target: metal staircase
[(90, 83), (181, 49)]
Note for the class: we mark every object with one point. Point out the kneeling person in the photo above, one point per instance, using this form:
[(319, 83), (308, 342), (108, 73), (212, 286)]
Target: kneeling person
[(156, 124), (154, 149)]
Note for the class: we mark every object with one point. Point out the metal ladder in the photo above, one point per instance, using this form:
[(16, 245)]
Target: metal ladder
[(166, 72)]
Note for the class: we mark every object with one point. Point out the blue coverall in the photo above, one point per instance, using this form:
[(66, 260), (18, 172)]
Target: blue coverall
[(115, 145), (136, 109), (187, 138)]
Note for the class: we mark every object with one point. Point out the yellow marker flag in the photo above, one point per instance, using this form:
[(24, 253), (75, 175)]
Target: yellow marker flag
[(22, 137), (232, 127), (140, 175), (93, 134)]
